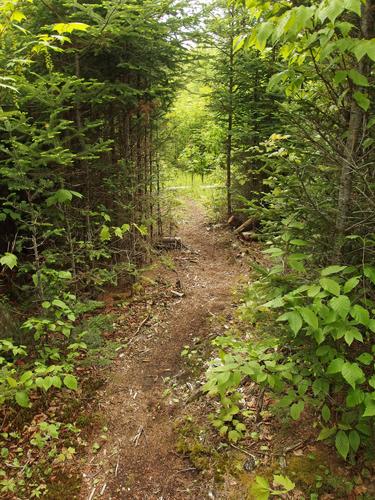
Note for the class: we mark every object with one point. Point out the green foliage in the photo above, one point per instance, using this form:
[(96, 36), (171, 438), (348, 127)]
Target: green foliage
[(329, 333), (318, 298), (262, 489), (9, 260)]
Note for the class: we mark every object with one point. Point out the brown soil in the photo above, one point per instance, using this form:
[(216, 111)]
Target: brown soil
[(138, 459)]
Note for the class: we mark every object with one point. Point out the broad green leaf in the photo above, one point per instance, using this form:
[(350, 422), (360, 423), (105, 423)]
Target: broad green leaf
[(9, 259), (313, 291), (352, 373), (364, 47), (365, 358), (326, 413), (70, 382), (369, 272), (341, 305), (342, 444), (234, 436), (332, 270), (142, 229), (360, 314), (309, 317), (354, 397), (331, 10), (26, 376), (59, 303), (259, 492), (295, 321), (351, 284), (320, 386), (276, 79), (354, 440), (62, 28), (326, 433), (303, 386), (276, 303), (370, 409), (47, 383), (17, 16), (301, 18), (364, 428), (335, 366), (62, 196), (319, 335), (370, 49), (56, 381), (330, 286), (362, 100), (263, 33), (340, 76), (352, 334), (274, 251), (345, 29), (296, 409), (299, 243), (22, 399), (12, 382), (324, 350), (358, 78), (105, 234), (353, 6), (284, 481)]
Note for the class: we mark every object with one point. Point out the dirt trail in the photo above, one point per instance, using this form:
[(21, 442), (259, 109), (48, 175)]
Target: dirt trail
[(138, 460)]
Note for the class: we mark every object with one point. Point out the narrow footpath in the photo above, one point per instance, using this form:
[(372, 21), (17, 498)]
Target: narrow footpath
[(139, 458)]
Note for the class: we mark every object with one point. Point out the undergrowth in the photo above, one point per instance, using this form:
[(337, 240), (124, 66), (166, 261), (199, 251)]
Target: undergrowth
[(39, 391), (315, 355)]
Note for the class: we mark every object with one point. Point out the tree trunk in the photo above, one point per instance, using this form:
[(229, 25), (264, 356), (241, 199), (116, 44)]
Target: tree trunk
[(229, 141), (356, 125)]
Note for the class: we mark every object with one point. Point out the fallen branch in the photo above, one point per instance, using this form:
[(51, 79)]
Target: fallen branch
[(137, 437), (92, 493), (170, 243), (141, 325), (245, 452), (245, 225)]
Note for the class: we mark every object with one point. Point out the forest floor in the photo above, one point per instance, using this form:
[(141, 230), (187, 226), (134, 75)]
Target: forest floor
[(146, 433), (132, 453)]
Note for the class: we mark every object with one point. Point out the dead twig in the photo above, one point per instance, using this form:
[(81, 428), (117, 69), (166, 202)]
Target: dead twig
[(260, 404), (246, 452), (137, 437), (293, 447), (141, 325), (92, 493), (186, 470)]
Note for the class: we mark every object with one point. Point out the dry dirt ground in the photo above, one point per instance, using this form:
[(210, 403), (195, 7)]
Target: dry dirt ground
[(138, 459)]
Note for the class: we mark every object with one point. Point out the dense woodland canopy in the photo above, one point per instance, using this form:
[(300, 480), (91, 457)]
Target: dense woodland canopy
[(105, 103)]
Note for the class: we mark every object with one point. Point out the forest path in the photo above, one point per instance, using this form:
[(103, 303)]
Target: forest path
[(139, 459)]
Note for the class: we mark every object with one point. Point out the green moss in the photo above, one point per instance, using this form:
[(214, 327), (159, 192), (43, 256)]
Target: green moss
[(317, 472), (64, 487)]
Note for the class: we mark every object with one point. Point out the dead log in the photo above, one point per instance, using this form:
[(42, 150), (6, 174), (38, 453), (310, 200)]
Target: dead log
[(234, 220), (249, 236), (169, 243), (249, 222)]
